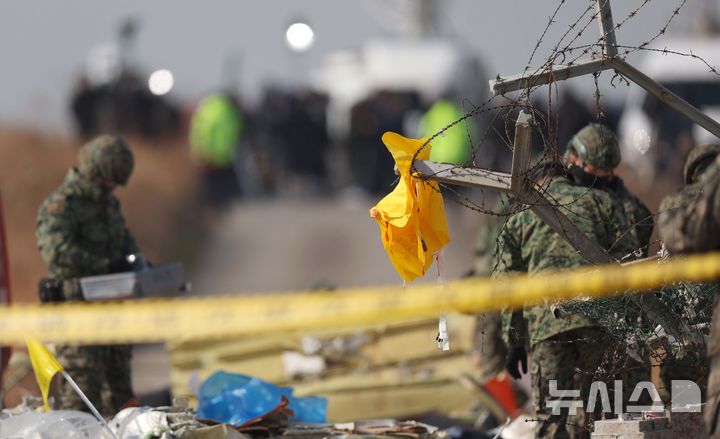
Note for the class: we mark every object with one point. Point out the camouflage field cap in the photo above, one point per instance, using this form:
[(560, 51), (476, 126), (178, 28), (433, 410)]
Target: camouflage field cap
[(695, 158), (595, 145), (108, 157)]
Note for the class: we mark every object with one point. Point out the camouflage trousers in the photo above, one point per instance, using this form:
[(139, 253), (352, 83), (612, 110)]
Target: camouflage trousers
[(101, 372), (489, 347), (567, 361)]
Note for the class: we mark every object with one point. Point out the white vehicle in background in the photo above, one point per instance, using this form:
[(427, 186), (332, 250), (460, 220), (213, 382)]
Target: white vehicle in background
[(655, 137)]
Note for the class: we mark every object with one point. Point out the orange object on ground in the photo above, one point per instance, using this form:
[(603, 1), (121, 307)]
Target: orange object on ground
[(501, 389)]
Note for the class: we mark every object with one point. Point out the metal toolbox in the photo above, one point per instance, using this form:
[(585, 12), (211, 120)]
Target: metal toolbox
[(156, 281)]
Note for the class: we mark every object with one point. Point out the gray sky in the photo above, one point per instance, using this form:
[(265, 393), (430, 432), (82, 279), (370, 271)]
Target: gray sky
[(44, 43)]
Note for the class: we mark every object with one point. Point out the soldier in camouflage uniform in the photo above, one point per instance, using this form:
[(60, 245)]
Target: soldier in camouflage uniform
[(489, 348), (690, 222), (593, 154), (564, 345), (81, 232), (687, 213)]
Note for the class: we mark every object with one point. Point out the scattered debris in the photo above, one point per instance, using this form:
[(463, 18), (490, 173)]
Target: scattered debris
[(370, 372), (30, 421)]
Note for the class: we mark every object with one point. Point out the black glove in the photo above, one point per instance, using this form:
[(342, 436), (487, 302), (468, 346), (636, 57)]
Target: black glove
[(131, 262), (514, 356), (120, 265), (50, 290)]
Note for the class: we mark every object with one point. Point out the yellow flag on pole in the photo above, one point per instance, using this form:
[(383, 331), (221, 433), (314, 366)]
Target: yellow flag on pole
[(44, 365)]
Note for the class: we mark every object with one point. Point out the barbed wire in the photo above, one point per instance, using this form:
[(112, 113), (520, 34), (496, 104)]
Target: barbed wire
[(551, 21), (662, 30), (505, 111), (665, 51), (632, 332)]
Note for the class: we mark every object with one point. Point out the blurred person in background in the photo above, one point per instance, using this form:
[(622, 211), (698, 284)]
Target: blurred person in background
[(371, 165), (81, 232), (83, 107), (123, 105), (267, 136), (370, 162), (452, 144), (215, 130), (306, 143)]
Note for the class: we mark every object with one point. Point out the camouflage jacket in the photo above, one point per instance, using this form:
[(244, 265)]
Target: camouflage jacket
[(80, 229), (637, 214), (529, 245), (487, 238), (690, 217), (689, 222)]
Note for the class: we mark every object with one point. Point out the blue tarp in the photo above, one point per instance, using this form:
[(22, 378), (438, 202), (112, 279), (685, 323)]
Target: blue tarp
[(236, 399)]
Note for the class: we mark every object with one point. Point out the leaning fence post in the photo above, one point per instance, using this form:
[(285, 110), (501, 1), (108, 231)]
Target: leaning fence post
[(607, 28), (521, 153)]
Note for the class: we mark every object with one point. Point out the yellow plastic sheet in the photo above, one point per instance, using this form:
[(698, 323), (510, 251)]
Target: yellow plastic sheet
[(412, 220), (44, 365)]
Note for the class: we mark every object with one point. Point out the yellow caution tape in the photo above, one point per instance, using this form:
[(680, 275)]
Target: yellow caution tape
[(200, 318)]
